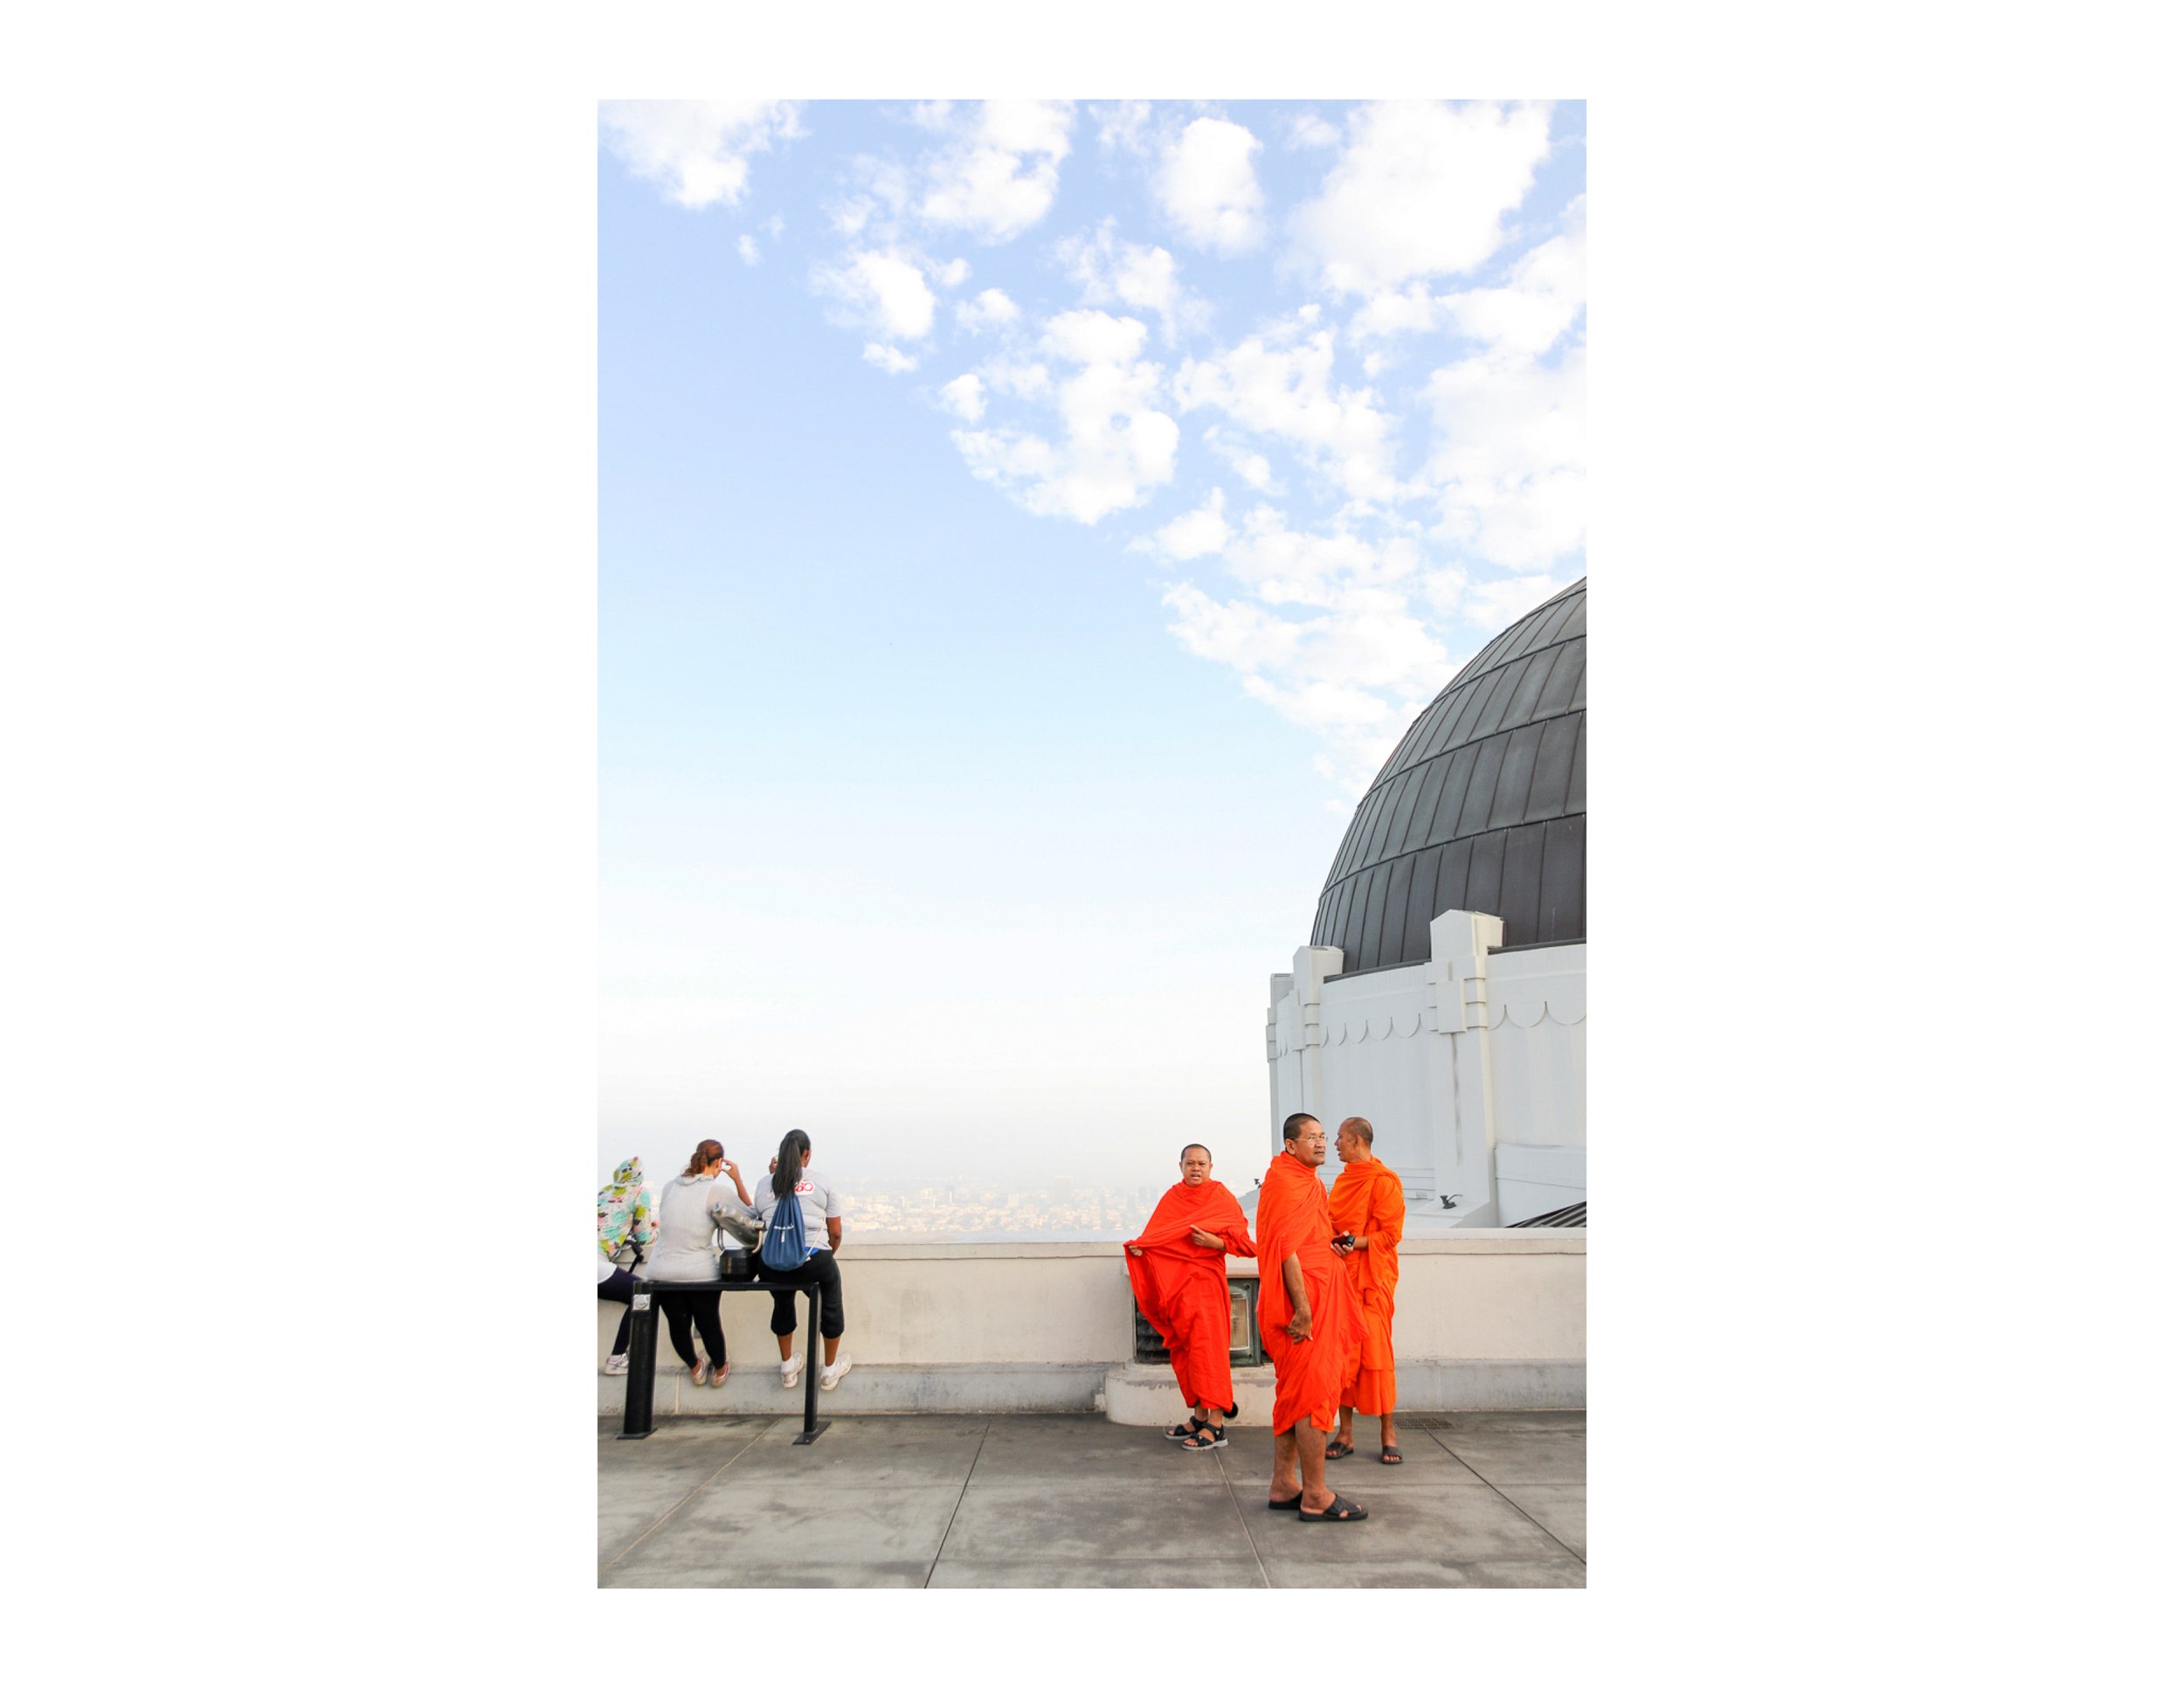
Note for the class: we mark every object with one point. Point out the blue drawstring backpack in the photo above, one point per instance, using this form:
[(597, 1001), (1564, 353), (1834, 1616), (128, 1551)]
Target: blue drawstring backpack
[(784, 1249)]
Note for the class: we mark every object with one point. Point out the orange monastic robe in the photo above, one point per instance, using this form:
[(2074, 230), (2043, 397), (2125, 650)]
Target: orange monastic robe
[(1368, 1203), (1309, 1376), (1183, 1289)]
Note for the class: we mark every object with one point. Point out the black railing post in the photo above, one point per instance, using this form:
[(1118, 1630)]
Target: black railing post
[(644, 1347), (812, 1423)]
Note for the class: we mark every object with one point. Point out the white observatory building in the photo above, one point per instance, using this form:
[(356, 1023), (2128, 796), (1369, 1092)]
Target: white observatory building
[(1443, 993)]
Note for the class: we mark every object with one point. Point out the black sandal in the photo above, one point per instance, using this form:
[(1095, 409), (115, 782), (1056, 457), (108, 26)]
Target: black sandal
[(1185, 1432), (1294, 1503), (1338, 1512), (1210, 1436), (1341, 1450)]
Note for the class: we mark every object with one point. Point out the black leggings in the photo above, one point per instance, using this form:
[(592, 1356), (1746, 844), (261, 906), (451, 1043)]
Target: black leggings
[(703, 1307), (820, 1269), (619, 1288)]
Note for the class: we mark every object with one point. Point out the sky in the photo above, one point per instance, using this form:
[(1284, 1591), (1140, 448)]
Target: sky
[(1023, 530)]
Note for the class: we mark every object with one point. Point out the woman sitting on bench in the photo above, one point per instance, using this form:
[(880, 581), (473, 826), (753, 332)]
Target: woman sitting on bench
[(792, 1176), (691, 1208)]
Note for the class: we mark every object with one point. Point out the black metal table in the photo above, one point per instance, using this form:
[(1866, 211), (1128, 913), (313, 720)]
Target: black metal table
[(644, 1349)]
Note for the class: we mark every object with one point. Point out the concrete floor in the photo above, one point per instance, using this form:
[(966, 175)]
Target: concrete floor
[(1497, 1500)]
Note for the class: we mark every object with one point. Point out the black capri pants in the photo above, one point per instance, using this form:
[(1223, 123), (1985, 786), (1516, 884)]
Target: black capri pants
[(820, 1269), (683, 1308)]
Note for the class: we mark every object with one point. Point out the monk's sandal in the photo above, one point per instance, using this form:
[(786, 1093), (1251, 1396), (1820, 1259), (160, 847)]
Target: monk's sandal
[(1185, 1432), (1211, 1436)]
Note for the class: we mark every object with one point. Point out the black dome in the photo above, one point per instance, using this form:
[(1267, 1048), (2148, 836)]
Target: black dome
[(1482, 806)]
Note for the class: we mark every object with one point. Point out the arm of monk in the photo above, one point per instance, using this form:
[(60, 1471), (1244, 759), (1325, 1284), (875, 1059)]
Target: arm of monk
[(1384, 1214), (1293, 1280)]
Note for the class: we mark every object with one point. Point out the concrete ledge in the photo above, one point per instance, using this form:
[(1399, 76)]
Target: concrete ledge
[(1486, 1386), (1425, 1233), (872, 1389), (1148, 1394)]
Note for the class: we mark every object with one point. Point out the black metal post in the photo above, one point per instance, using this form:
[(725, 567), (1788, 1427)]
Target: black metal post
[(813, 1424), (644, 1348)]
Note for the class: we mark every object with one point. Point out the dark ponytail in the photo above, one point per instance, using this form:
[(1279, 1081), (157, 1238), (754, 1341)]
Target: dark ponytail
[(788, 1165), (708, 1152)]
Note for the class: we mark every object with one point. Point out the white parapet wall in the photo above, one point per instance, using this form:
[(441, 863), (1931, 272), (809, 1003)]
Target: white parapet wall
[(1471, 1065), (1484, 1318)]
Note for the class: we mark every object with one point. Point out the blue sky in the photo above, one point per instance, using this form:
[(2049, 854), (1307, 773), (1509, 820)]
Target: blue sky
[(1023, 529)]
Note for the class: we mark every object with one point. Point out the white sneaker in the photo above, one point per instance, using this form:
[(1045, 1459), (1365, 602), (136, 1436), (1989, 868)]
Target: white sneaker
[(791, 1369), (720, 1375), (830, 1375), (697, 1373), (617, 1366)]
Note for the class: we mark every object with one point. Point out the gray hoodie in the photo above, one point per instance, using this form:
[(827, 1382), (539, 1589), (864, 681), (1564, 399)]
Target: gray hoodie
[(691, 1208)]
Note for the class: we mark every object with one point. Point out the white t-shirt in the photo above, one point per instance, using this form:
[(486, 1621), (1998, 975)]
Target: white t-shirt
[(820, 1204)]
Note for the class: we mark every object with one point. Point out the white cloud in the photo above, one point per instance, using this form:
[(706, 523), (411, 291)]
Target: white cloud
[(1287, 565), (1250, 468), (1206, 185), (1355, 675), (888, 358), (1242, 635), (1411, 311), (1310, 129), (1018, 380), (1285, 391), (1198, 533), (698, 151), (1538, 305), (953, 274), (1421, 190), (1116, 444), (884, 292), (1124, 124), (1111, 271), (1509, 460), (965, 396), (1094, 337), (747, 249), (991, 309), (999, 175)]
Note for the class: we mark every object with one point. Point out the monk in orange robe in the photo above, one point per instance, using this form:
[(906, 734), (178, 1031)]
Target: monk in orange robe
[(1179, 1269), (1367, 1206), (1308, 1317)]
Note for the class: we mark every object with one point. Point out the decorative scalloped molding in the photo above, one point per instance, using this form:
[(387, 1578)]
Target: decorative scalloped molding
[(1529, 1010)]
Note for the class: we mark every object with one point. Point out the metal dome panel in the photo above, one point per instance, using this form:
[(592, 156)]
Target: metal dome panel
[(1481, 806)]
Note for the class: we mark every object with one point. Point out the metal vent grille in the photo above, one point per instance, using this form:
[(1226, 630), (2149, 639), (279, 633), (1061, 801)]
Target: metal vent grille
[(1244, 1347), (1562, 1219)]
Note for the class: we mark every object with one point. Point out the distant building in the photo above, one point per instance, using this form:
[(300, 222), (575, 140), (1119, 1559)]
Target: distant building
[(1443, 993)]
